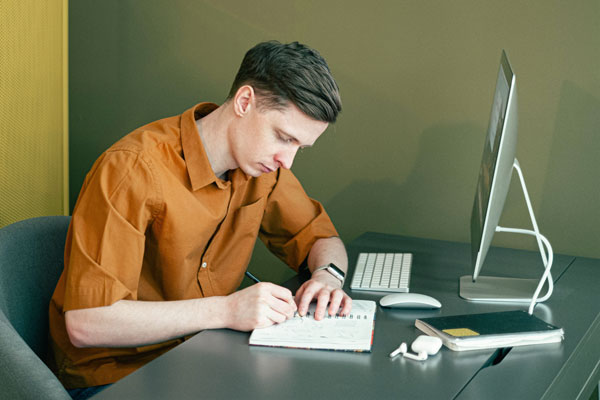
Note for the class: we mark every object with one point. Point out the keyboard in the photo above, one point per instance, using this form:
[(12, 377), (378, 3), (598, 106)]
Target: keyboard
[(382, 272)]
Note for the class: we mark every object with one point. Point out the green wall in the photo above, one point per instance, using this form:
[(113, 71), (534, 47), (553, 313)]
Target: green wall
[(33, 109), (417, 79)]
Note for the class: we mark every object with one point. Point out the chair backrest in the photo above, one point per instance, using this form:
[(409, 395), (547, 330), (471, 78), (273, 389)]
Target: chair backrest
[(31, 261)]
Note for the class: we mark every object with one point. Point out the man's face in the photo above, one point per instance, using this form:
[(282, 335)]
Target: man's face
[(267, 139)]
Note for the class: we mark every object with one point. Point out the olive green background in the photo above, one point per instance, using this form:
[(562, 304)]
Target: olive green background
[(33, 109), (417, 79)]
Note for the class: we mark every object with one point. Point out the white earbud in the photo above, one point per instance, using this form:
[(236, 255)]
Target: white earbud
[(422, 356), (424, 346), (400, 350)]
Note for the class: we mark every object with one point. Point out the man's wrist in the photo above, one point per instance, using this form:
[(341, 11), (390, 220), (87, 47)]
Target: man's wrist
[(334, 271)]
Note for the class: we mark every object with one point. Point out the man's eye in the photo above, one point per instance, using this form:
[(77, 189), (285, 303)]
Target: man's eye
[(285, 139)]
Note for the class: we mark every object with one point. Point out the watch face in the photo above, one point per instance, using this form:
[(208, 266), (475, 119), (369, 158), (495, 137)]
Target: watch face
[(336, 270)]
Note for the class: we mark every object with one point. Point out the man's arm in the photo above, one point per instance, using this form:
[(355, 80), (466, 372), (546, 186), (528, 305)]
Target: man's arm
[(323, 286), (129, 323)]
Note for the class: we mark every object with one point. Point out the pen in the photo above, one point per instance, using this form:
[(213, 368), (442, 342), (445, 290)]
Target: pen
[(255, 279)]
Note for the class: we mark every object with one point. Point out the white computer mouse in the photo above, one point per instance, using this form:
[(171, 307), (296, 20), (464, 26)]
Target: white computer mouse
[(409, 300)]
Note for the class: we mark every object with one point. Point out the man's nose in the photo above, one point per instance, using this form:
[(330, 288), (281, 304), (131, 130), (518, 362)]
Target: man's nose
[(285, 159)]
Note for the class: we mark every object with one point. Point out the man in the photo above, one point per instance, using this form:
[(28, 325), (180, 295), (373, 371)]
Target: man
[(167, 218)]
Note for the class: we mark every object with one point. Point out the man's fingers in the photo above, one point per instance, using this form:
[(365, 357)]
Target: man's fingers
[(270, 292), (278, 300), (322, 302), (299, 294), (307, 293), (282, 307), (261, 305), (277, 291), (346, 305), (276, 317), (334, 301)]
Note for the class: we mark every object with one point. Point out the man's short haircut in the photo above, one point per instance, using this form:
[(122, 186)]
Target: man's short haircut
[(280, 73)]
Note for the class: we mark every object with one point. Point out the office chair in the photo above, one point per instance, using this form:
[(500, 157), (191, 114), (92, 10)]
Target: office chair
[(31, 261)]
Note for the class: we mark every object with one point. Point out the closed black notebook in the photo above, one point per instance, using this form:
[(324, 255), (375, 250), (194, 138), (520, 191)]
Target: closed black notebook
[(490, 330)]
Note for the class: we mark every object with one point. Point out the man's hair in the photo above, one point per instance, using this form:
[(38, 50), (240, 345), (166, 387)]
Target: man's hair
[(280, 73)]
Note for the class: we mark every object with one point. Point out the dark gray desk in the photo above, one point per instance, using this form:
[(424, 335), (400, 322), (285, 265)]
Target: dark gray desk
[(220, 365)]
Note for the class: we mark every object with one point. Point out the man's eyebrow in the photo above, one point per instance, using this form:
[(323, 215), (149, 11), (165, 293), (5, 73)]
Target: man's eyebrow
[(294, 138)]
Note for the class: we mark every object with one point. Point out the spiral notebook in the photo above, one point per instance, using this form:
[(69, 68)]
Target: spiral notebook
[(353, 332)]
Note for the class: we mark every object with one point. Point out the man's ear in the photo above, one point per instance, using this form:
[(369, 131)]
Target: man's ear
[(244, 100)]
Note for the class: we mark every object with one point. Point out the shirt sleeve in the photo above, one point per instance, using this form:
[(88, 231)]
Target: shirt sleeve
[(292, 221), (105, 245)]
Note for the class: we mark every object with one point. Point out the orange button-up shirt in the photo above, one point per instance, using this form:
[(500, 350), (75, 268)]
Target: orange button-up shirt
[(154, 223)]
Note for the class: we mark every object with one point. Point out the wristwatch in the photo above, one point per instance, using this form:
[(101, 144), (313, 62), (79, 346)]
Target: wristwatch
[(333, 270)]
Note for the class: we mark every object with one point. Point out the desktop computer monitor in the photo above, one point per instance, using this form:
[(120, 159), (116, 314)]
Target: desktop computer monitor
[(499, 152), (497, 164)]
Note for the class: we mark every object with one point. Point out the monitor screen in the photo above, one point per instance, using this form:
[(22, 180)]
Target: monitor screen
[(495, 172)]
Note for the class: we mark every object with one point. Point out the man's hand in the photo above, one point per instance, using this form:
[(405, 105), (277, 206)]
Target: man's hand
[(326, 289), (259, 306)]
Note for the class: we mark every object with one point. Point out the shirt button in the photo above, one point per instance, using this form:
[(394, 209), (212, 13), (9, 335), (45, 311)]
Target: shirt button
[(204, 265)]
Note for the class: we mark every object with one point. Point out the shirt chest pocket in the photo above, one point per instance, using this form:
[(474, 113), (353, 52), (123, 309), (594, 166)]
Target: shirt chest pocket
[(232, 247), (246, 220)]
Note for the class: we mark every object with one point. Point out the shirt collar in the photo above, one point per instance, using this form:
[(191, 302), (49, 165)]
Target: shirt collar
[(196, 160), (199, 169)]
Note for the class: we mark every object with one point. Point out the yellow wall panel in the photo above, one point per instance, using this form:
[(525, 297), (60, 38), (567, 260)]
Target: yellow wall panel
[(33, 108)]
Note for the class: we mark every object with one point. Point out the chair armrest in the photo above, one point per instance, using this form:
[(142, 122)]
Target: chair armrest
[(22, 374)]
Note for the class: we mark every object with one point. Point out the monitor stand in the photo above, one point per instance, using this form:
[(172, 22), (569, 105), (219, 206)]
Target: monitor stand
[(513, 290), (497, 289)]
